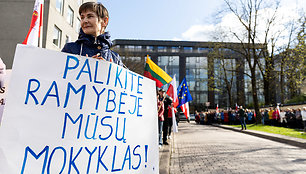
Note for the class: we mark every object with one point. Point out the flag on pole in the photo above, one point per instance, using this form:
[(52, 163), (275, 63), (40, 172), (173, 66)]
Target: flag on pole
[(172, 91), (154, 72), (36, 24), (278, 110), (183, 93), (217, 109), (174, 127), (185, 109)]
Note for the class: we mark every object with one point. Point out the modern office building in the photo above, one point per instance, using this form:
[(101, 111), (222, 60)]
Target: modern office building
[(198, 62), (61, 24)]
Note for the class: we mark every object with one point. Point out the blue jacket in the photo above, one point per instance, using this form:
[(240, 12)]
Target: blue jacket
[(88, 44)]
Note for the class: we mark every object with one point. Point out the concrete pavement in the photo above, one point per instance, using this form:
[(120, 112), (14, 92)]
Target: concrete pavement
[(209, 149)]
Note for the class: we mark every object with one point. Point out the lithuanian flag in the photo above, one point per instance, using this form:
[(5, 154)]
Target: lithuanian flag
[(154, 72)]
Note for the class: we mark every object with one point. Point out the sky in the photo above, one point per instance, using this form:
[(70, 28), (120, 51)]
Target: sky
[(190, 20)]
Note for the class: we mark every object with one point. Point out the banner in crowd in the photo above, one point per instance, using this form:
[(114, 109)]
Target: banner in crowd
[(73, 114)]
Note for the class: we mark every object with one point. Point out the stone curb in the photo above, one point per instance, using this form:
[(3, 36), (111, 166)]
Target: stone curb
[(297, 142)]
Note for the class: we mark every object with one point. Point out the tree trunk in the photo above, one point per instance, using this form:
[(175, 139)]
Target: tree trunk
[(266, 91), (255, 98), (230, 97)]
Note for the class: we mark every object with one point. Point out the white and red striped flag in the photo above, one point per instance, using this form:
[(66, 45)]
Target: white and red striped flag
[(185, 109), (36, 24), (172, 92), (217, 109), (278, 110)]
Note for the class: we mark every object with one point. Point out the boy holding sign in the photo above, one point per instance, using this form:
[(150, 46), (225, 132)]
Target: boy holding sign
[(93, 41)]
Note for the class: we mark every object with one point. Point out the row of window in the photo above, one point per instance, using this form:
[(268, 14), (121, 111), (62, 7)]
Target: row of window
[(70, 13), (57, 32), (165, 49)]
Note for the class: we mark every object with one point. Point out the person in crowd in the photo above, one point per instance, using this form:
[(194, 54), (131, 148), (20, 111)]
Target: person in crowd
[(197, 117), (93, 40), (210, 117), (237, 119), (275, 117), (249, 116), (282, 117), (291, 118), (167, 103), (218, 117), (226, 117), (230, 117), (160, 107), (303, 113), (298, 116), (170, 121), (266, 117), (262, 111), (242, 116), (222, 116), (270, 113), (203, 118)]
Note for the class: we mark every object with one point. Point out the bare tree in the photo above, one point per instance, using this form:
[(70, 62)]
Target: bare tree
[(247, 13)]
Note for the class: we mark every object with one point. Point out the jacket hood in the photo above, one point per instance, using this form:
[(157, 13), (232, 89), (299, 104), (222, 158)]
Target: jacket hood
[(103, 39)]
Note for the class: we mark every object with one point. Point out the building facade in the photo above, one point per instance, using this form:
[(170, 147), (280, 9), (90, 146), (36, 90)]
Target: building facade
[(199, 63), (61, 23)]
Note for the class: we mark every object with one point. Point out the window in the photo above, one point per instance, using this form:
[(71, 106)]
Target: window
[(198, 59), (78, 25), (59, 6), (57, 36), (187, 60), (198, 71), (162, 49), (187, 49), (68, 39), (175, 49), (149, 48), (70, 15)]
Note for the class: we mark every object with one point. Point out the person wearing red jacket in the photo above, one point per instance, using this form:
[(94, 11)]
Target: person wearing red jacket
[(160, 107), (170, 121)]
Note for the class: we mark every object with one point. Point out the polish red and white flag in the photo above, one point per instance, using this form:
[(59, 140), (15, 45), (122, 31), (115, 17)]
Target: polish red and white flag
[(217, 108), (172, 91), (185, 109), (36, 24)]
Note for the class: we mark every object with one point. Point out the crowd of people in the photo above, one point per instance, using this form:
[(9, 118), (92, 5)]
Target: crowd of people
[(290, 118), (165, 122)]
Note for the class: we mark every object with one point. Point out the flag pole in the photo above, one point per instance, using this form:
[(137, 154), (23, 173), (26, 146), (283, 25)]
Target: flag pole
[(42, 24)]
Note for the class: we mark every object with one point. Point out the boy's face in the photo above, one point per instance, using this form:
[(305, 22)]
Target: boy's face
[(91, 24)]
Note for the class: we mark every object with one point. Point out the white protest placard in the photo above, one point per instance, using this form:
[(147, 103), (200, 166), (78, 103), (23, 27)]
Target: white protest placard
[(71, 114), (3, 90)]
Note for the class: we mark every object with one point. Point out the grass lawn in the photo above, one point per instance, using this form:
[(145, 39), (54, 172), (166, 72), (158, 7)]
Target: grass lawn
[(275, 130)]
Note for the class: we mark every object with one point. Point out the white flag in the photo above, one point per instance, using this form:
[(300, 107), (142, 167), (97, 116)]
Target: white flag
[(36, 24)]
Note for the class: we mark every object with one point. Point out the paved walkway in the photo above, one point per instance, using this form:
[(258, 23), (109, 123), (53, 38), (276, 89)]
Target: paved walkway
[(210, 149)]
